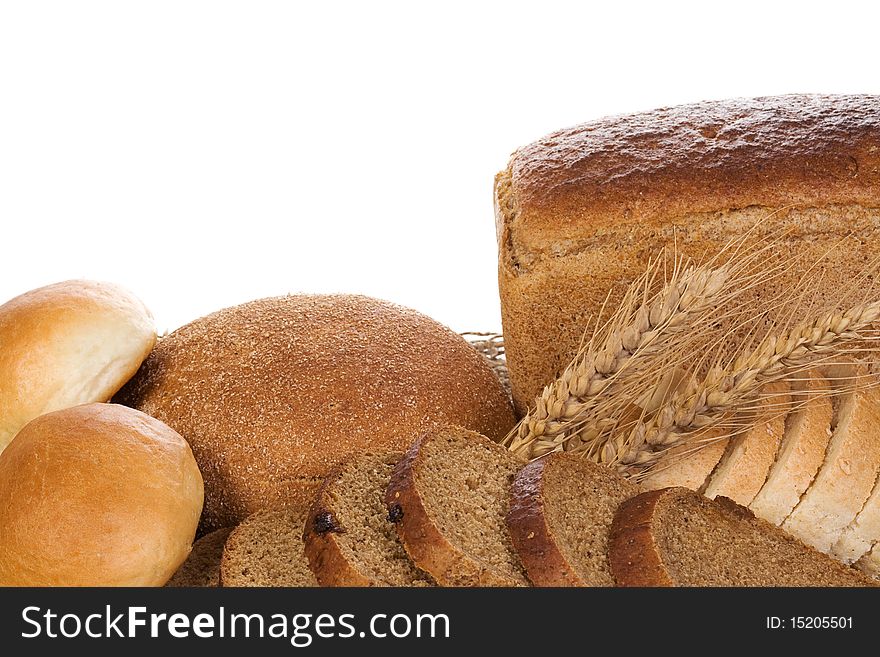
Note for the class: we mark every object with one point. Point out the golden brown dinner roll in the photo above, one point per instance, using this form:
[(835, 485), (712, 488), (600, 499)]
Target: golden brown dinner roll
[(67, 344), (273, 393), (96, 495)]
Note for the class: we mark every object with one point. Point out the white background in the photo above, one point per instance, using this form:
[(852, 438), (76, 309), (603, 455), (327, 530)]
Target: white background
[(207, 153)]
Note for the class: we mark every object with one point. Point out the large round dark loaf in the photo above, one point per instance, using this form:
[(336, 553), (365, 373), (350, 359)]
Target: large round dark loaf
[(274, 393)]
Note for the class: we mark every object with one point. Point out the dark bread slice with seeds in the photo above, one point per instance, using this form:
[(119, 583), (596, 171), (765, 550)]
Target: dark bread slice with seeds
[(561, 510), (349, 538), (676, 537), (449, 495), (266, 550), (202, 567)]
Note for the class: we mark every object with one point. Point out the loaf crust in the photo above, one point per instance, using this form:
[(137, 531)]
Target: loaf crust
[(633, 553), (534, 542), (595, 202), (641, 169)]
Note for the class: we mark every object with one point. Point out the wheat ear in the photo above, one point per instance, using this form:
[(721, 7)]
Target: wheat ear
[(725, 389), (637, 332)]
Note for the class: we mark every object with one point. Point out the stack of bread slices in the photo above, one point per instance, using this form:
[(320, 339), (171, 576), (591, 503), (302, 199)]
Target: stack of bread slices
[(457, 509), (810, 464)]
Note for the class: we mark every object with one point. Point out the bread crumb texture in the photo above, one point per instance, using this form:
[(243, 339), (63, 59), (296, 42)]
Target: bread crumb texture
[(463, 482), (266, 550), (360, 529), (694, 541), (202, 567)]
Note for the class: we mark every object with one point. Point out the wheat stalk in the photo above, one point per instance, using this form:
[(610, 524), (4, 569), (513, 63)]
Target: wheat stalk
[(582, 407), (491, 347), (724, 389), (636, 331)]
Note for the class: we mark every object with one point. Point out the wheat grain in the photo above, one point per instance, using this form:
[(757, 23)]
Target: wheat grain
[(637, 330), (724, 389), (491, 347)]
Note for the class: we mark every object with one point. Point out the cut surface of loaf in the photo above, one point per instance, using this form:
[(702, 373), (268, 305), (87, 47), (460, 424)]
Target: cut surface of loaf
[(743, 469), (849, 471), (802, 451), (350, 540), (449, 496), (594, 202), (676, 537), (267, 550), (561, 511), (863, 533), (686, 466), (202, 567), (870, 563)]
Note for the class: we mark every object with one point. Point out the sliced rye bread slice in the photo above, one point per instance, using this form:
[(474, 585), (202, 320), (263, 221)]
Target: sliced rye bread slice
[(848, 473), (449, 496), (350, 540), (202, 567), (686, 466), (267, 550), (561, 509), (677, 537), (806, 436), (743, 469)]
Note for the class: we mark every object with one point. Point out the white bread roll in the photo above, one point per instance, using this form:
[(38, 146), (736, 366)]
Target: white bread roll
[(96, 495), (67, 344)]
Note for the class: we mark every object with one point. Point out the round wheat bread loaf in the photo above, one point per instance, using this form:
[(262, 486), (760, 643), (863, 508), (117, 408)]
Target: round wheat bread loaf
[(274, 393), (677, 537), (560, 516), (350, 540), (267, 550), (202, 567), (449, 496), (67, 344)]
